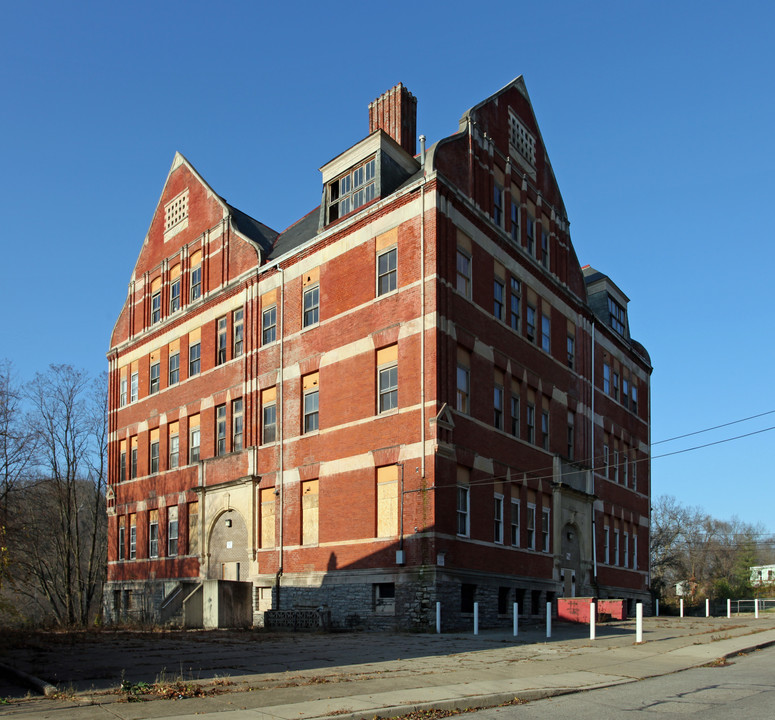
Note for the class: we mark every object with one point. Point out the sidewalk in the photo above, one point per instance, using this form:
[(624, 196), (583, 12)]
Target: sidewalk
[(354, 676)]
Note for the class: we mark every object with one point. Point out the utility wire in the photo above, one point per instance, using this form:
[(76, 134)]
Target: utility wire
[(715, 427)]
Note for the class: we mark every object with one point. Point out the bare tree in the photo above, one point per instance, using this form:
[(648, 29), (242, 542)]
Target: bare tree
[(61, 550)]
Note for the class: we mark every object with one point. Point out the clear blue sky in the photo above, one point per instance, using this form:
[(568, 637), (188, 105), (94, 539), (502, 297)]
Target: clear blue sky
[(659, 119)]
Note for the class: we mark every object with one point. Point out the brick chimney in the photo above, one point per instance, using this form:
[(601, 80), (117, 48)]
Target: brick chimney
[(395, 112)]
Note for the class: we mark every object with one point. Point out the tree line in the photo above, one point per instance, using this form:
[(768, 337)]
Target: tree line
[(697, 556), (53, 474)]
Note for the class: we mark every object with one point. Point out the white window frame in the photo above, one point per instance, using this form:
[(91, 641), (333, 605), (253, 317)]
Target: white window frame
[(498, 519), (546, 529), (134, 389), (607, 545), (626, 549), (194, 359), (311, 306), (153, 538), (196, 283), (387, 396), (172, 531), (546, 333), (174, 452), (155, 378), (175, 295), (388, 274), (497, 403), (515, 527), (310, 412), (156, 307), (269, 325), (175, 369), (265, 439), (238, 332), (616, 546), (531, 526), (463, 272), (463, 510), (194, 433), (463, 395)]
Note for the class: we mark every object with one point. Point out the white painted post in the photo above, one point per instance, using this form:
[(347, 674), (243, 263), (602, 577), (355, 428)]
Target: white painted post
[(707, 607), (592, 617), (438, 617), (657, 606), (639, 623), (682, 607), (516, 619), (548, 620), (756, 608), (729, 608), (476, 618)]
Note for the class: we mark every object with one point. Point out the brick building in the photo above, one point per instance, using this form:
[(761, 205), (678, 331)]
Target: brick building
[(413, 394)]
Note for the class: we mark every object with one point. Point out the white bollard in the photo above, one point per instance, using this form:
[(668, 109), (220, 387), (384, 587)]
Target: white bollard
[(729, 608), (639, 623), (657, 606), (476, 618), (516, 619), (707, 607), (756, 608), (592, 618), (548, 620), (438, 617), (682, 607)]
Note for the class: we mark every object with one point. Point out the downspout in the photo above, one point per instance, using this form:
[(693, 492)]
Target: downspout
[(592, 456), (280, 432), (422, 323)]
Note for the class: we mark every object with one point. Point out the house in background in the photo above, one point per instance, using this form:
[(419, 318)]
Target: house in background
[(414, 394), (762, 576)]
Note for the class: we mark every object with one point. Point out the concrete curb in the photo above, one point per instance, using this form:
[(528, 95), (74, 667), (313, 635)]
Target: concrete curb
[(41, 686)]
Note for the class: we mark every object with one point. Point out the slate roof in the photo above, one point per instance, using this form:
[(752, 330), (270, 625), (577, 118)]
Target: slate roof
[(259, 233)]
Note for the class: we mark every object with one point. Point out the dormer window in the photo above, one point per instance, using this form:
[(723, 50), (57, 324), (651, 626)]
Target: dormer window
[(352, 190), (617, 316)]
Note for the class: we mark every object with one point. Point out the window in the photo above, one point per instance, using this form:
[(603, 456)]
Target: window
[(625, 469), (155, 454), (193, 442), (571, 434), (133, 459), (616, 386), (311, 306), (617, 315), (499, 299), (531, 526), (515, 222), (174, 447), (387, 501), (194, 359), (387, 274), (237, 332), (462, 511), (531, 234), (463, 388), (387, 379), (220, 430), (626, 555), (133, 385), (515, 415), (530, 325), (172, 531), (634, 395), (352, 190), (269, 415), (635, 470), (155, 379), (544, 248), (635, 554), (153, 534), (498, 407), (237, 424), (616, 466), (606, 545), (530, 421), (196, 282), (175, 295), (310, 512), (269, 325), (122, 537), (384, 595), (546, 333), (498, 527), (571, 350), (606, 378), (267, 517), (174, 368), (616, 546), (515, 300), (497, 206), (514, 523), (220, 341), (606, 460), (545, 529), (545, 429), (132, 537), (311, 409), (156, 307), (122, 463), (463, 277), (122, 392)]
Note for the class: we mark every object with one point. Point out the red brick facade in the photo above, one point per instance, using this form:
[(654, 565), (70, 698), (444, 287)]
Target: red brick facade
[(393, 399)]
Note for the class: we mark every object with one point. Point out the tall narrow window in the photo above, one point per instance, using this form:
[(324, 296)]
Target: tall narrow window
[(133, 458), (269, 325), (174, 446), (571, 351), (498, 520), (514, 522), (387, 501), (310, 512), (153, 534), (498, 406), (387, 378), (172, 531), (194, 359), (311, 408), (462, 511), (122, 462), (625, 392), (571, 434), (499, 299), (497, 205), (463, 276), (545, 429), (311, 306), (530, 421), (193, 439), (545, 248), (156, 307), (133, 386), (174, 368), (515, 301), (132, 536), (515, 222), (606, 378), (155, 373), (531, 234), (122, 537), (238, 332), (220, 340), (616, 386), (123, 390), (626, 554), (530, 323), (545, 529), (196, 275), (154, 447), (175, 295), (531, 526), (463, 382), (515, 415), (546, 333), (606, 461), (220, 430), (387, 273), (269, 415), (237, 424), (616, 546), (606, 545), (267, 517)]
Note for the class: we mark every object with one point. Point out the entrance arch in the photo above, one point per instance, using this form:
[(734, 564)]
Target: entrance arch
[(228, 547)]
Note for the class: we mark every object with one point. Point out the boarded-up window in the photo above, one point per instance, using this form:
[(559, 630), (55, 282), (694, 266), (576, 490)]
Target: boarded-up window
[(309, 512), (387, 501), (267, 517), (193, 528)]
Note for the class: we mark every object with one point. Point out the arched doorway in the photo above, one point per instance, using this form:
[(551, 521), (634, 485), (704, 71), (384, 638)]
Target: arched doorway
[(228, 547)]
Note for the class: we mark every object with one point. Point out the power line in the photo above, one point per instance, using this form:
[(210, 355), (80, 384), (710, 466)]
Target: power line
[(715, 427), (717, 442)]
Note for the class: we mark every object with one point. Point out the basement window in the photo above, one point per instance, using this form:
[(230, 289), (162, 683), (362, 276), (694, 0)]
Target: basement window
[(352, 190)]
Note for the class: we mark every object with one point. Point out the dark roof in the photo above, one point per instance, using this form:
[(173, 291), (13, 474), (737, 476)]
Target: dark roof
[(259, 233), (297, 234)]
